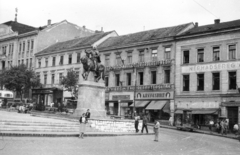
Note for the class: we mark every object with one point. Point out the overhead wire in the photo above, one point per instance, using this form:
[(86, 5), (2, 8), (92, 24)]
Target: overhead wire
[(205, 8)]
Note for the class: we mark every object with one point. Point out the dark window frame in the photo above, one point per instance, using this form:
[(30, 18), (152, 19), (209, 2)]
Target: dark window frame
[(200, 55), (167, 53), (200, 82), (232, 52), (153, 77), (117, 79), (216, 81), (186, 82), (186, 56), (167, 76), (216, 53), (141, 78), (129, 79), (232, 80)]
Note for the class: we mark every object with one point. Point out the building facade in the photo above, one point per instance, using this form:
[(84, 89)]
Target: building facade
[(140, 72), (19, 42), (55, 61), (207, 71)]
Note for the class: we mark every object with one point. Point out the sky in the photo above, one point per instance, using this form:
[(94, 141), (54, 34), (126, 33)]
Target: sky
[(123, 16)]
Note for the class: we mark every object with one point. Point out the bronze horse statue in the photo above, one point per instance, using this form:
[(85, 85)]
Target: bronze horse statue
[(88, 65)]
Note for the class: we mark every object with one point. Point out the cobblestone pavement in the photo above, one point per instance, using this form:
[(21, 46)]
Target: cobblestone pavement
[(171, 142)]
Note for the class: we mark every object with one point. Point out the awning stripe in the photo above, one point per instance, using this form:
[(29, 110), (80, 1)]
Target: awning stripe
[(156, 105), (140, 104)]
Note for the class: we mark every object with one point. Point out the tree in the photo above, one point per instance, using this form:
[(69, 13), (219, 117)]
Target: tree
[(70, 83), (19, 79)]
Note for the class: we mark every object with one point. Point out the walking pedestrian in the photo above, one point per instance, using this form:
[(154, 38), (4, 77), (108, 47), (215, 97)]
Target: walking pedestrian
[(88, 114), (82, 127), (171, 121), (156, 130), (136, 122), (144, 125), (235, 128), (211, 123), (227, 125), (222, 126)]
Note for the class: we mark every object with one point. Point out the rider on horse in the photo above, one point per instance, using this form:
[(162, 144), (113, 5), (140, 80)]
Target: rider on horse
[(94, 56)]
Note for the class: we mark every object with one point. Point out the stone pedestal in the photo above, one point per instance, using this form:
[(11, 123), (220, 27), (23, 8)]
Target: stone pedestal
[(91, 95)]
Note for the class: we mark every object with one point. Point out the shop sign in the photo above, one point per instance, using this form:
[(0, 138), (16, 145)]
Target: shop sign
[(211, 67), (145, 87), (231, 104), (139, 64), (124, 104), (42, 91), (154, 95), (197, 104), (106, 96), (120, 97)]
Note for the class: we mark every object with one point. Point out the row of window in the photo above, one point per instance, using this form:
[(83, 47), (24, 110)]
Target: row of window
[(53, 78), (60, 60), (120, 61), (140, 78), (232, 85), (22, 45), (10, 49), (28, 62), (215, 54)]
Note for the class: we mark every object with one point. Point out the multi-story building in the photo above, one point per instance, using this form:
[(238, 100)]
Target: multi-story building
[(19, 42), (140, 72), (208, 71), (10, 34), (55, 61)]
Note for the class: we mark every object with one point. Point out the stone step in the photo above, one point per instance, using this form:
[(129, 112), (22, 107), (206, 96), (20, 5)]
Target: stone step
[(37, 124), (40, 122)]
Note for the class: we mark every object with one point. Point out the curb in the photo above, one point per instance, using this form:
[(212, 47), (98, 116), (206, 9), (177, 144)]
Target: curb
[(67, 135), (202, 132)]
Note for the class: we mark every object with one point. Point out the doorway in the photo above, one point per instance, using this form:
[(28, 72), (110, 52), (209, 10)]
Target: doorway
[(232, 116)]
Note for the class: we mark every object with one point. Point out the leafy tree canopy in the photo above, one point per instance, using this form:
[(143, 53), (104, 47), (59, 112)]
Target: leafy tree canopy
[(70, 83), (19, 79)]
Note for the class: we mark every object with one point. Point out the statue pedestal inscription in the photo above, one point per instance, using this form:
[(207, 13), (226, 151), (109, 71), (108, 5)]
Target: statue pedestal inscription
[(91, 95)]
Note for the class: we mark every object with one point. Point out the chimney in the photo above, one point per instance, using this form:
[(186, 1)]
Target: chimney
[(49, 22), (196, 24), (216, 21)]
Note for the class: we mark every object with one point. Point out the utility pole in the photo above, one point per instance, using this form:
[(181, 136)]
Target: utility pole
[(135, 85)]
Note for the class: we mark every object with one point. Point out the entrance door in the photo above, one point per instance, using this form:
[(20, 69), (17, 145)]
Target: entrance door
[(232, 116)]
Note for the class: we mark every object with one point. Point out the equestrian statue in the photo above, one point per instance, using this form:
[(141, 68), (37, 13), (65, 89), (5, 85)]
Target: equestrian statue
[(91, 62)]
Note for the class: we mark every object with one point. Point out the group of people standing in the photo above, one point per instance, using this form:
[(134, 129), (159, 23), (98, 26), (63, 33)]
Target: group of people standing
[(144, 125), (83, 121)]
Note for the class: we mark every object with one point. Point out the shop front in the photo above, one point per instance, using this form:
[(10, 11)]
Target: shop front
[(118, 103), (202, 112), (46, 96), (157, 104), (231, 110)]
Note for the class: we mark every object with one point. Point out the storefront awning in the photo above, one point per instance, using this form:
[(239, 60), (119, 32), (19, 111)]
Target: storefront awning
[(205, 111), (198, 111), (124, 104), (140, 104), (156, 105), (178, 111)]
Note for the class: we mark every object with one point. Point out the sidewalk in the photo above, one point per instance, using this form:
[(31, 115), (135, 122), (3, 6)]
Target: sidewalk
[(229, 135)]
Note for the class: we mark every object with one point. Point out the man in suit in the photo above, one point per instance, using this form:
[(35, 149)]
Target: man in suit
[(88, 114)]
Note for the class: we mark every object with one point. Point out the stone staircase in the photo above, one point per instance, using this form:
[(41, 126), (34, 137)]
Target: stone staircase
[(53, 127)]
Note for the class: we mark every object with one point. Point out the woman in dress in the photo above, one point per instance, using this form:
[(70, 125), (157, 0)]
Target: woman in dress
[(82, 127)]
